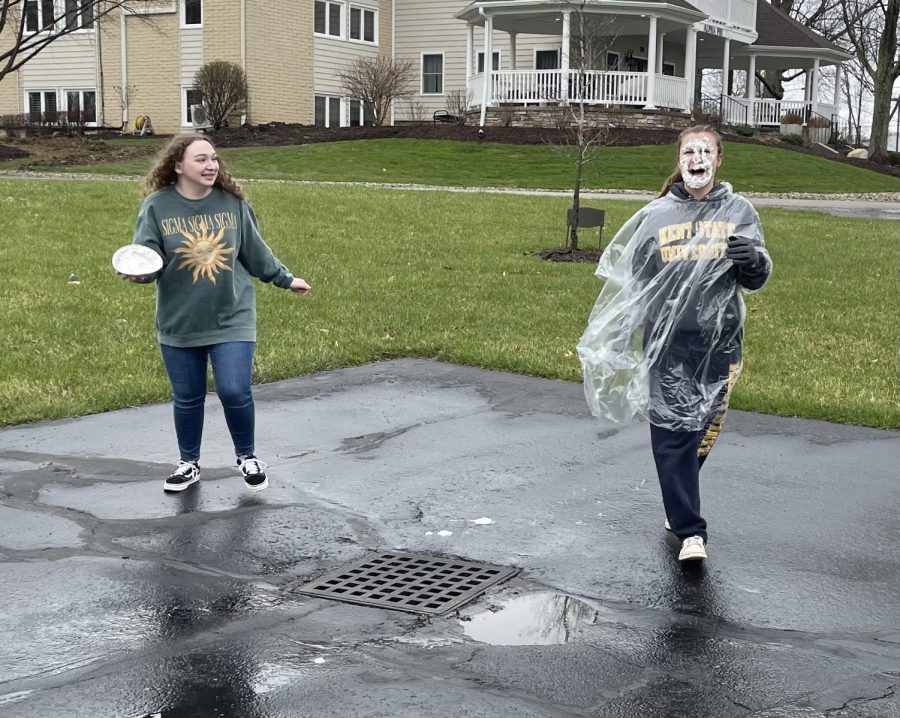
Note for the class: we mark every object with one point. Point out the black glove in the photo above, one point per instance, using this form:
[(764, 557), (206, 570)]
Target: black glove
[(742, 252)]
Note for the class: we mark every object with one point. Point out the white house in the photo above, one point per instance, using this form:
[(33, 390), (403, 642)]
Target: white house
[(650, 52)]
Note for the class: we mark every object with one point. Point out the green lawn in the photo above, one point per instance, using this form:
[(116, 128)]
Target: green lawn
[(424, 274), (443, 162)]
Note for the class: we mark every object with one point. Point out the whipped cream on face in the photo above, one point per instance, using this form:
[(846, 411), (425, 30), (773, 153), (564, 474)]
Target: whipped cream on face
[(697, 163)]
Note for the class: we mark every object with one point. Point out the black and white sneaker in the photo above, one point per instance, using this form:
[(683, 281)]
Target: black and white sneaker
[(254, 472), (185, 474)]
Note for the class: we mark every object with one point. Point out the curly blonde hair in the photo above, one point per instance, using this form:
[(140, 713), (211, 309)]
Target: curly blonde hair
[(163, 173)]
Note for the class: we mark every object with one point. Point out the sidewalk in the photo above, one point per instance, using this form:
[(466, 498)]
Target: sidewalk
[(122, 601)]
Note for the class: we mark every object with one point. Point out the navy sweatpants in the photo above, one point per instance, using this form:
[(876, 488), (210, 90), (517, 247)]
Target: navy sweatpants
[(679, 455)]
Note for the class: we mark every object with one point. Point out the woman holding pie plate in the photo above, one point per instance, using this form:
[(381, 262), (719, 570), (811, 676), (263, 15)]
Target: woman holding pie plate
[(205, 239)]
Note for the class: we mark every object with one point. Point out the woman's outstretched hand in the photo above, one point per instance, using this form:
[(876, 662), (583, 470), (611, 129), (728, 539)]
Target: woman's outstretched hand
[(741, 251), (299, 286)]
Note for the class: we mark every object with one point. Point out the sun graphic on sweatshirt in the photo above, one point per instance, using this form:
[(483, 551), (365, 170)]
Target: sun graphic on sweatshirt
[(204, 254)]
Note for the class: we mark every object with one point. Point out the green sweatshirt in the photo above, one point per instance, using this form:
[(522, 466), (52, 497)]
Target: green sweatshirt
[(211, 250)]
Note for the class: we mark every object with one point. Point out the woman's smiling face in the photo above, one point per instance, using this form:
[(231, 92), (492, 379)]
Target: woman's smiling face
[(699, 159)]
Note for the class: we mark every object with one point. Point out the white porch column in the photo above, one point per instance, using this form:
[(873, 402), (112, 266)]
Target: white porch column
[(726, 66), (660, 45), (651, 66), (807, 85), (690, 64), (751, 92), (470, 46), (564, 55), (512, 51), (814, 92), (488, 55), (838, 68)]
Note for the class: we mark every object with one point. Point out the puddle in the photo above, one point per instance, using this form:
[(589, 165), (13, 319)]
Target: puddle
[(535, 619)]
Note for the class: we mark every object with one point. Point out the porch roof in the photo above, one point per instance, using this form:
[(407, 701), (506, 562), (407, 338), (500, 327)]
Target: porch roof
[(780, 34), (541, 16)]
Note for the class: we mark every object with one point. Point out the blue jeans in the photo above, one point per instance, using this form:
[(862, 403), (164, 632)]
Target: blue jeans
[(232, 364)]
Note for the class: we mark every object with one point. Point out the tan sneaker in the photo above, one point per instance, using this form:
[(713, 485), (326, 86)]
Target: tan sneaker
[(692, 549)]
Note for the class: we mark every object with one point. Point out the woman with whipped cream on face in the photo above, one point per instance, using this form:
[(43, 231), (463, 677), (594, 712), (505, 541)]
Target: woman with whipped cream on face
[(664, 342)]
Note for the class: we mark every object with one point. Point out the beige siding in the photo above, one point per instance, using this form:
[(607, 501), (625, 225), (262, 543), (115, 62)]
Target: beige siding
[(333, 55), (154, 68), (10, 100), (69, 61), (280, 61), (222, 31), (110, 98), (192, 50), (429, 27)]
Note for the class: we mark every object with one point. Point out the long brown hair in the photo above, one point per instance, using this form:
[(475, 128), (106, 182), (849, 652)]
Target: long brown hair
[(695, 130), (163, 173)]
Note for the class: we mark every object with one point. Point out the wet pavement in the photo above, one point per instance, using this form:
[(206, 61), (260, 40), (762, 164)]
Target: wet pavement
[(121, 601)]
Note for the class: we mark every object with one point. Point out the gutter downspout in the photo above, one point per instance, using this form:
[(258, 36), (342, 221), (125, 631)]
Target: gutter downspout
[(244, 54), (393, 45), (124, 61)]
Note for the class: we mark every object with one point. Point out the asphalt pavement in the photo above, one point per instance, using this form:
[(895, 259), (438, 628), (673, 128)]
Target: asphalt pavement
[(119, 600)]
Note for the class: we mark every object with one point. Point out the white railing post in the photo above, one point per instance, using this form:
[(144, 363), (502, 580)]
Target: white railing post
[(564, 55), (651, 66)]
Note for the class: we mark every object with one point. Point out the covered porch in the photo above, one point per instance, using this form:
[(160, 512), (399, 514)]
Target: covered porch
[(586, 70)]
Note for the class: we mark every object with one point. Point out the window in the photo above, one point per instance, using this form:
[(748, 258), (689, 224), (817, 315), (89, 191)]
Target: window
[(612, 61), (362, 24), (193, 12), (360, 115), (495, 61), (669, 69), (546, 59), (42, 107), (79, 14), (81, 107), (39, 15), (190, 97), (433, 74), (329, 19), (328, 111)]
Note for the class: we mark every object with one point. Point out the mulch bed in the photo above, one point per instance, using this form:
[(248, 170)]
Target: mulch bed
[(280, 133), (8, 152), (568, 255)]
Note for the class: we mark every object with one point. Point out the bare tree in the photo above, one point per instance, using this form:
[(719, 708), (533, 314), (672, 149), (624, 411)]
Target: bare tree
[(27, 27), (378, 82), (222, 87), (874, 37), (457, 103), (825, 17), (581, 132)]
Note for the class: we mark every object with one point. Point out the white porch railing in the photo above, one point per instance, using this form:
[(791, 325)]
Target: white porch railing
[(767, 112), (595, 87)]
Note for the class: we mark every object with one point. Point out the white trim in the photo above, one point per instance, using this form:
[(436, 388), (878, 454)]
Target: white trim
[(44, 91), (422, 74), (344, 102), (344, 24), (364, 8), (185, 105), (183, 16)]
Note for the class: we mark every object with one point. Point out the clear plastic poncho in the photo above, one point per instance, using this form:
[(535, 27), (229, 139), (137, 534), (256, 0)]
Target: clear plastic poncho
[(664, 338)]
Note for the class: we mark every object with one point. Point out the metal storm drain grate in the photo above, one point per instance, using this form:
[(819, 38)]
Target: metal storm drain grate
[(408, 582)]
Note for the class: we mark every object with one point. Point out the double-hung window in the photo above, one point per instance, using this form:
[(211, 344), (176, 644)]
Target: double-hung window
[(495, 64), (79, 14), (189, 98), (363, 22), (81, 107), (329, 19), (39, 15), (328, 111), (192, 12), (433, 74), (360, 115), (42, 108)]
